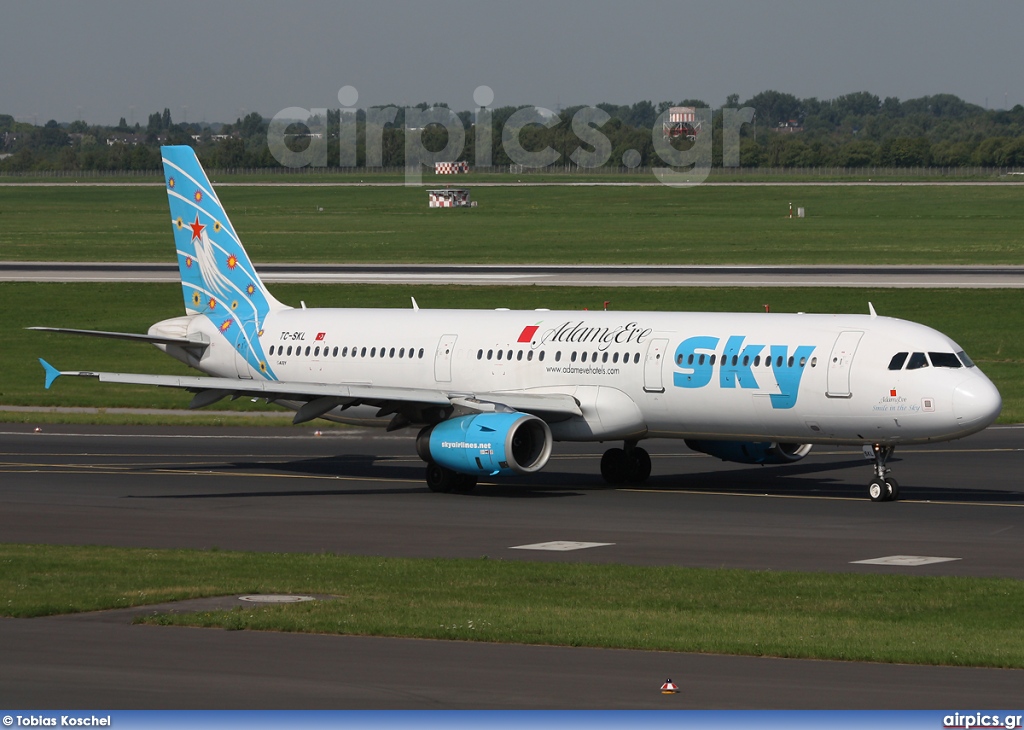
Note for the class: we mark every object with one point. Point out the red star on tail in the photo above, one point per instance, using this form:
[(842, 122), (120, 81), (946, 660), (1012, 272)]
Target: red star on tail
[(197, 229)]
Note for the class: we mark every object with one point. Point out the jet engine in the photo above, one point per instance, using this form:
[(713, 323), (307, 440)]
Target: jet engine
[(751, 452), (487, 444)]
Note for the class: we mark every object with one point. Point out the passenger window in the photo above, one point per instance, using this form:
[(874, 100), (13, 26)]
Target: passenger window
[(583, 357), (541, 356), (713, 359), (529, 355), (490, 354), (421, 353), (509, 354), (897, 361), (289, 349), (615, 358), (479, 354), (500, 354), (944, 360), (271, 349), (700, 360), (519, 355), (558, 355), (316, 352), (391, 352), (636, 357), (572, 357), (917, 361), (757, 361)]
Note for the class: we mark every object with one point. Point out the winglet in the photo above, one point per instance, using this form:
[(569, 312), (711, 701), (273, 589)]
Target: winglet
[(52, 373), (871, 310)]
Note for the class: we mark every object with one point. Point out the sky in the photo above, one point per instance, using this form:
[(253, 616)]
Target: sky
[(211, 60)]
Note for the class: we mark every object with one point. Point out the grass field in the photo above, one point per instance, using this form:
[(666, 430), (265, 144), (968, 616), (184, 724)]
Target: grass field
[(649, 225), (552, 174), (984, 321), (953, 621)]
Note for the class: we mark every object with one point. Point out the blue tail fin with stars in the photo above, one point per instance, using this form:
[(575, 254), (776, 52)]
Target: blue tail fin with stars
[(217, 277)]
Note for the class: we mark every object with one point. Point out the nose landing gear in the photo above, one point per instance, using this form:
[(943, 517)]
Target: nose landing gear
[(882, 488)]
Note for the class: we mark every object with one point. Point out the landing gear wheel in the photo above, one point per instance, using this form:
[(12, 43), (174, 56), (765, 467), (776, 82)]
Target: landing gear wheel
[(883, 488), (640, 469), (440, 479), (614, 467), (631, 464), (464, 483)]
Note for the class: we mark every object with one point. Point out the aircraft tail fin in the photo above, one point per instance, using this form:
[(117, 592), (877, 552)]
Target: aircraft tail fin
[(217, 277)]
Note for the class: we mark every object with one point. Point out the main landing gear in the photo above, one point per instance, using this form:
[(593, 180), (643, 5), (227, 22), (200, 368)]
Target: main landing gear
[(883, 488), (440, 479), (630, 464)]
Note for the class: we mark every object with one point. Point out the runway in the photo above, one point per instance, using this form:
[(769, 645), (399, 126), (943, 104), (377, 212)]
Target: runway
[(362, 493), (987, 277)]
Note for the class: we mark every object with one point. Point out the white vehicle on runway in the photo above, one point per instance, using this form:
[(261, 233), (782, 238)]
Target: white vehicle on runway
[(490, 391)]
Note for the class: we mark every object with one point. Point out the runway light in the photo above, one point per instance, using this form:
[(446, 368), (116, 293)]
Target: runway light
[(668, 688), (38, 430), (318, 433)]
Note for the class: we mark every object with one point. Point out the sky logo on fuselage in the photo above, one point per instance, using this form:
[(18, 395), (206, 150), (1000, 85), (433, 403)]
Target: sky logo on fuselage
[(738, 366)]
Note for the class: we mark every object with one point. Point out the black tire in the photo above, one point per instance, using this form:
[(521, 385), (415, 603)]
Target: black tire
[(640, 469), (464, 483), (878, 490), (614, 467), (894, 489), (440, 479)]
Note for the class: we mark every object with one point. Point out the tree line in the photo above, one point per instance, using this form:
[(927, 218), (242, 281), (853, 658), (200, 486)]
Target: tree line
[(853, 130)]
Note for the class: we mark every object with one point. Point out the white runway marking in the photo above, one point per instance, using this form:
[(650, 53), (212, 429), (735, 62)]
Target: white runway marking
[(912, 560), (561, 545)]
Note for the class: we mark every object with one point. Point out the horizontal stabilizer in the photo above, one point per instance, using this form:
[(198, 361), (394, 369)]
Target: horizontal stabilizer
[(130, 336)]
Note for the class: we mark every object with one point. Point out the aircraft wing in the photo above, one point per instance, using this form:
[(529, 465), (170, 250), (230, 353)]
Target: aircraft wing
[(322, 397)]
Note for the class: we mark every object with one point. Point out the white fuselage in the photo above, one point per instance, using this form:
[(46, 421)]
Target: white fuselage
[(804, 378)]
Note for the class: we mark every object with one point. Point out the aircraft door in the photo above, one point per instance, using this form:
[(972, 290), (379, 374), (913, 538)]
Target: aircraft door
[(245, 336), (443, 358), (839, 363), (653, 382)]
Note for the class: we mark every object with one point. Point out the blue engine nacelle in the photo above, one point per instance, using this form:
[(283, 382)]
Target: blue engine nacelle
[(751, 452), (487, 444)]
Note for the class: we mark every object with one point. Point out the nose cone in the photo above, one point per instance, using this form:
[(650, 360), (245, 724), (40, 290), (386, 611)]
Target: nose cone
[(976, 403)]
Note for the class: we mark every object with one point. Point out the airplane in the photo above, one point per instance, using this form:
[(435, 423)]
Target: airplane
[(490, 392)]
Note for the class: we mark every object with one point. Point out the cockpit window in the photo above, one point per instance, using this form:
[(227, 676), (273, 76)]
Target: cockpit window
[(944, 359), (968, 362), (897, 361), (917, 360)]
